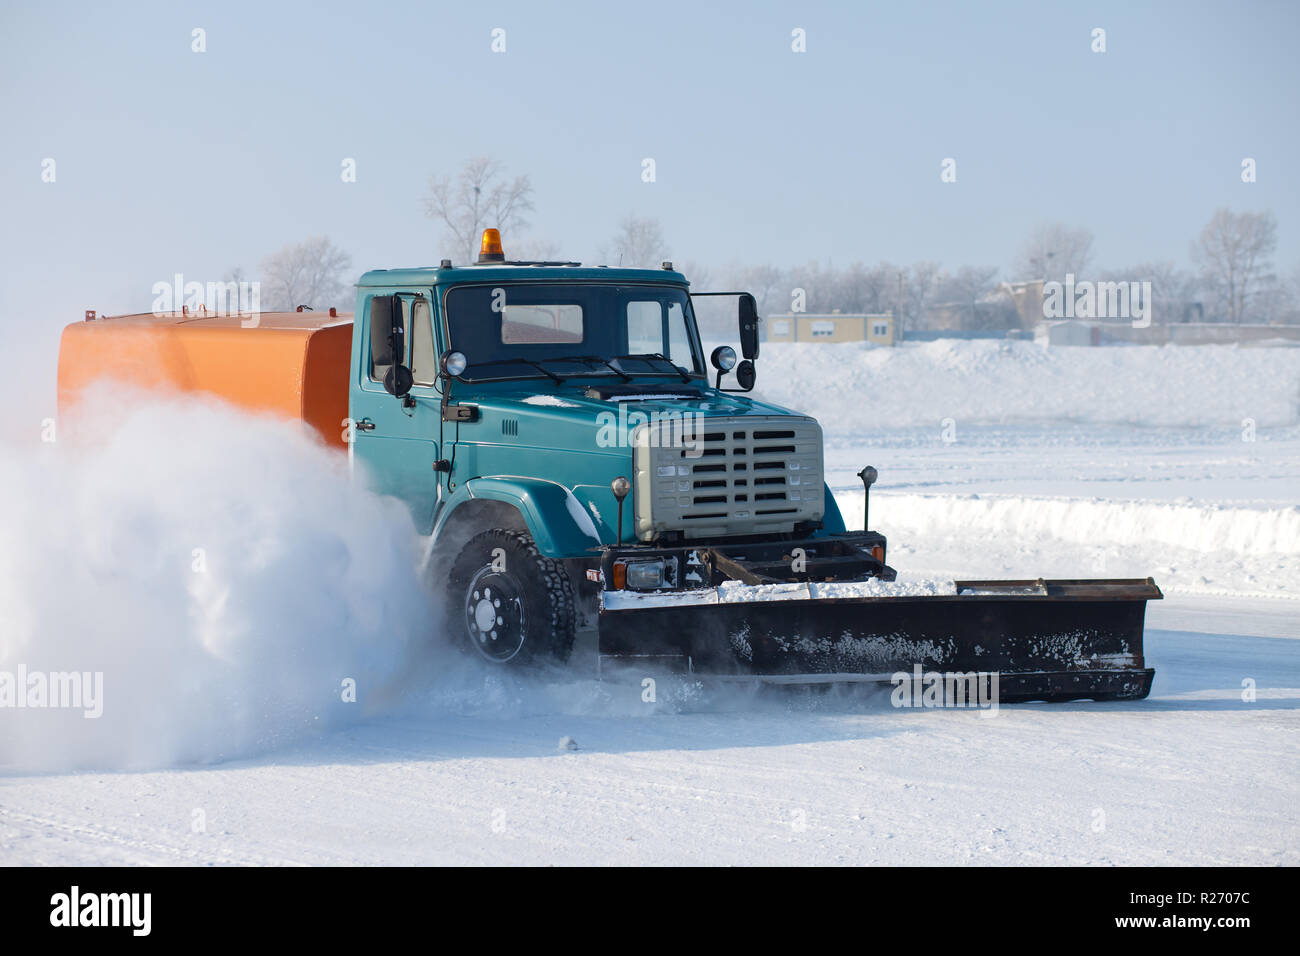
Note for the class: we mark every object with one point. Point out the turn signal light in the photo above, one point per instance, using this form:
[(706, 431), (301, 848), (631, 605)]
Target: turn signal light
[(878, 553), (490, 249), (620, 576)]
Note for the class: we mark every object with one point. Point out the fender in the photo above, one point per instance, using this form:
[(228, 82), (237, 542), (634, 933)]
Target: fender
[(832, 519), (558, 524)]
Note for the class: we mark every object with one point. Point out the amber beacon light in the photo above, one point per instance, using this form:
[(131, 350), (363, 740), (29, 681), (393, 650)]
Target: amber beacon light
[(490, 249)]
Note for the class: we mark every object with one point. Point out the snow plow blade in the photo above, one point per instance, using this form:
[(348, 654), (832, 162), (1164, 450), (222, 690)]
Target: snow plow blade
[(1046, 640)]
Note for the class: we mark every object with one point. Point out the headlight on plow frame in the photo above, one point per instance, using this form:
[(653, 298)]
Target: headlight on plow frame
[(653, 574)]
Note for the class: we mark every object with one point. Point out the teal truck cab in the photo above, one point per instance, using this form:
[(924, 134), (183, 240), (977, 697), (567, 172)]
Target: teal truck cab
[(559, 432), (580, 464)]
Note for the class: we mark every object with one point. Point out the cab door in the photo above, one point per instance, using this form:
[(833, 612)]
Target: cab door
[(396, 440)]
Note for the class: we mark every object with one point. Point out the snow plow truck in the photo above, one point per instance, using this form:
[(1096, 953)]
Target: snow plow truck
[(578, 463)]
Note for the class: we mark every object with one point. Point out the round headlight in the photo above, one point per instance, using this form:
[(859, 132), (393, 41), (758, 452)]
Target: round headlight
[(453, 363), (723, 358)]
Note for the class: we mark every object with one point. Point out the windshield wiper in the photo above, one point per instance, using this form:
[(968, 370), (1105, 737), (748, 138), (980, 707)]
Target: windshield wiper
[(523, 361), (595, 360), (661, 357)]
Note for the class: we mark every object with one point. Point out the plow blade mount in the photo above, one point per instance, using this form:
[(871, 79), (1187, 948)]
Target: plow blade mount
[(1047, 640)]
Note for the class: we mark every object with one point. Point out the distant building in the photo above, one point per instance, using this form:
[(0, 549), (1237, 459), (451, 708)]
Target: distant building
[(1068, 332), (877, 329), (1027, 297)]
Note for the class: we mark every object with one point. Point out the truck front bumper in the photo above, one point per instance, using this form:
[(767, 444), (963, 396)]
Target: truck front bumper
[(854, 556)]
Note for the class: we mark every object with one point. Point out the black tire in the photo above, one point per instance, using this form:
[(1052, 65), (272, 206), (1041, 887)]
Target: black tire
[(519, 610)]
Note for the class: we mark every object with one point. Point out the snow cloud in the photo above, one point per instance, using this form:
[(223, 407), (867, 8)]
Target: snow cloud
[(222, 573)]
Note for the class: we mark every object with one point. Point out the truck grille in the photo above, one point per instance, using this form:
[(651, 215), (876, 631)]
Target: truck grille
[(713, 477)]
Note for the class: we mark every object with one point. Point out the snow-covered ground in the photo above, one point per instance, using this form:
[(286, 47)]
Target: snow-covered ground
[(1191, 776), (995, 459)]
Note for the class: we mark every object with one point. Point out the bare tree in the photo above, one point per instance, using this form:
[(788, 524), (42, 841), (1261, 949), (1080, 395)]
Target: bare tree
[(1233, 253), (1291, 301), (1174, 291), (310, 273), (770, 286), (971, 286), (639, 244), (862, 289), (698, 274), (919, 282), (1053, 250), (817, 285), (478, 198)]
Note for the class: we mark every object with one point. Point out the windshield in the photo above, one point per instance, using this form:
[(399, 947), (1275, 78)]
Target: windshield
[(565, 330)]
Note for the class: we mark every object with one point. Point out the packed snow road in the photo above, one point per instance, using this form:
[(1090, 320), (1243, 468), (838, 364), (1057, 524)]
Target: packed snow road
[(1193, 775)]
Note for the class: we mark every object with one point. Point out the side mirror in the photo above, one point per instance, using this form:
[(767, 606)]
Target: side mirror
[(748, 326), (746, 375), (398, 381), (724, 357), (388, 344)]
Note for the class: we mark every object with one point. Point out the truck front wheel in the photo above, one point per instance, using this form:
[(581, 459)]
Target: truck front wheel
[(508, 602)]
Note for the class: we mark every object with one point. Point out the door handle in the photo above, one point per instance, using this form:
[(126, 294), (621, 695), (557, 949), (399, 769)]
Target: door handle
[(365, 425)]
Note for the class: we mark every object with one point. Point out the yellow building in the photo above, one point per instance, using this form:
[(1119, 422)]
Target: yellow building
[(831, 327)]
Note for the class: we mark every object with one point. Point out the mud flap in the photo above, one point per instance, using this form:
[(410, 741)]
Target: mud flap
[(1047, 640)]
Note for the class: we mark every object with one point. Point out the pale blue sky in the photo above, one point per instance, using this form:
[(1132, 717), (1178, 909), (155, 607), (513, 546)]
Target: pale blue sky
[(170, 161)]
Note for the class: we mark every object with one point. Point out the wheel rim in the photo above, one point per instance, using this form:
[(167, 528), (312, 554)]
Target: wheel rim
[(494, 615)]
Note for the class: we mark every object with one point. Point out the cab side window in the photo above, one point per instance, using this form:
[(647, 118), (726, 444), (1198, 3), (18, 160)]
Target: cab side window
[(659, 327), (645, 330), (379, 315), (679, 341), (419, 332), (420, 357)]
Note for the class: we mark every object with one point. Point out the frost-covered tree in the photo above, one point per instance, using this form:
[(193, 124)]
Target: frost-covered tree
[(311, 273), (1233, 255), (769, 285), (639, 244), (970, 287), (479, 197), (860, 288), (1052, 251), (1175, 293), (920, 282)]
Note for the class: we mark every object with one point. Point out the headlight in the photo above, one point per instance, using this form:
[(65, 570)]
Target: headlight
[(646, 575), (453, 363), (723, 358)]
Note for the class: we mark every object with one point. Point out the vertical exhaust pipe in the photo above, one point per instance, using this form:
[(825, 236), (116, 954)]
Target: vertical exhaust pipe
[(868, 476)]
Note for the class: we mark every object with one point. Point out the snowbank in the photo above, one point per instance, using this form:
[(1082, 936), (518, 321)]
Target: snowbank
[(853, 387), (1188, 548), (1205, 528)]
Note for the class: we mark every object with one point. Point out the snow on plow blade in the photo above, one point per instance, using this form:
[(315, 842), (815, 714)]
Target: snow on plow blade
[(1047, 640)]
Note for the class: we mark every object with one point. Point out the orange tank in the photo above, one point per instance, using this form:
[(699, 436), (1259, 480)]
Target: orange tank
[(293, 364)]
